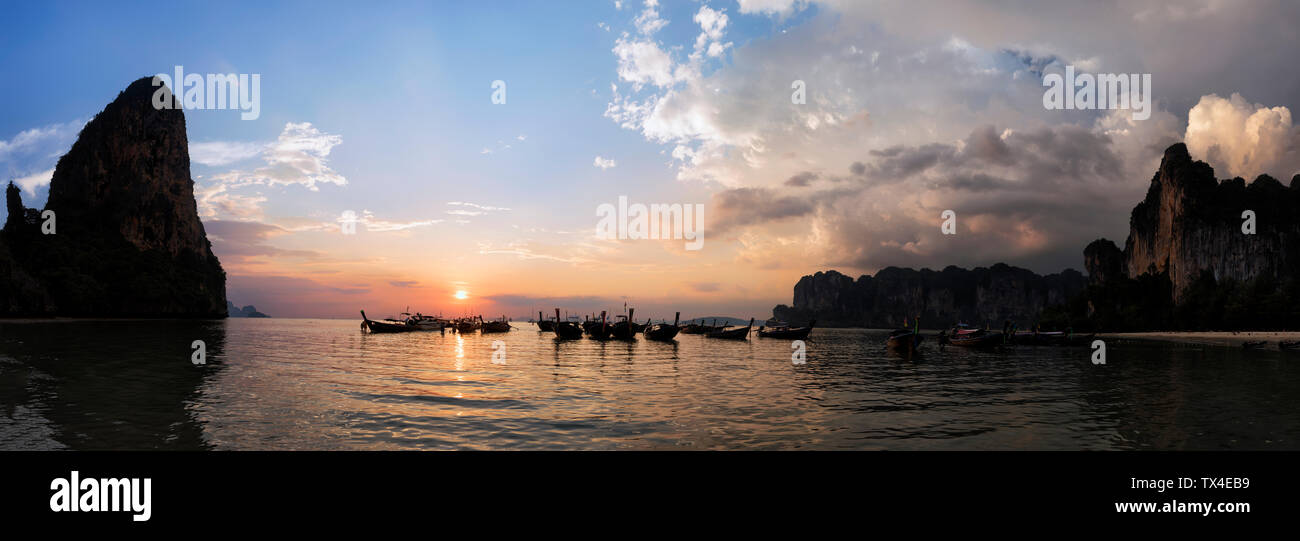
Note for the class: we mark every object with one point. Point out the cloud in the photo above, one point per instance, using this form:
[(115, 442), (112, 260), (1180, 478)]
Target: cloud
[(745, 206), (648, 21), (472, 209), (486, 208), (46, 141), (403, 283), (218, 153), (299, 156), (219, 201), (1239, 138), (713, 24), (643, 61), (31, 182), (236, 242), (802, 179), (30, 155), (706, 287), (604, 163), (376, 225), (771, 7)]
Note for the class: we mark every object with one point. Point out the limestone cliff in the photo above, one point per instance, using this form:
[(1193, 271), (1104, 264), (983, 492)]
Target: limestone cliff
[(127, 240), (981, 295), (1190, 223)]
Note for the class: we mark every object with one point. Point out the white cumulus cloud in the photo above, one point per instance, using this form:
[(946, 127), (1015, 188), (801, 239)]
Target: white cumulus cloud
[(1238, 137)]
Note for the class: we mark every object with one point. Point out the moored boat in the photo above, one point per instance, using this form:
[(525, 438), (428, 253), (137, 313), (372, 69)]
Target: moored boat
[(694, 328), (625, 328), (737, 333), (466, 325), (499, 325), (386, 326), (600, 329), (663, 332), (965, 336), (905, 340), (566, 330), (544, 325), (786, 332), (422, 322)]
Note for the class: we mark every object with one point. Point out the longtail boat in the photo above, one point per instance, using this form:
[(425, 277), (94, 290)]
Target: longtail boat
[(904, 339), (786, 332), (566, 330), (625, 329), (600, 330), (694, 328), (737, 333), (966, 336), (499, 325), (546, 326), (663, 332), (386, 326), (466, 325)]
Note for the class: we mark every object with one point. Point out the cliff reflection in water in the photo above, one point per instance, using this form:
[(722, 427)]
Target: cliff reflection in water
[(104, 384)]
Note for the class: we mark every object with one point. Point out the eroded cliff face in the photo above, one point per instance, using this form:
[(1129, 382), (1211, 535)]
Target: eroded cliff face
[(130, 170), (1190, 222), (982, 295), (128, 240)]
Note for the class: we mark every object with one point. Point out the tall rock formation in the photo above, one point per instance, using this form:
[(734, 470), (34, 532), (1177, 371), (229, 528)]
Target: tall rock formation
[(1190, 222), (981, 295), (128, 239)]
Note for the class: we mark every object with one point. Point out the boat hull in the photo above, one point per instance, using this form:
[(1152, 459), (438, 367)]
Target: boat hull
[(662, 333)]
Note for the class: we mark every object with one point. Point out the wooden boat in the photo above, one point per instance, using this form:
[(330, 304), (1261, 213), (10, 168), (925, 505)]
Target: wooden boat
[(694, 328), (466, 325), (566, 330), (1294, 345), (738, 333), (625, 328), (546, 326), (905, 340), (786, 332), (386, 326), (600, 329), (1254, 345), (499, 325), (966, 336), (663, 332)]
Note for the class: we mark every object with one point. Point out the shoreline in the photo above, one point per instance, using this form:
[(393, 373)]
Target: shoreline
[(1210, 338)]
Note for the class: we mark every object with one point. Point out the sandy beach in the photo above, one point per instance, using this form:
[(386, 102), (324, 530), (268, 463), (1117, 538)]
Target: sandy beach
[(1211, 338)]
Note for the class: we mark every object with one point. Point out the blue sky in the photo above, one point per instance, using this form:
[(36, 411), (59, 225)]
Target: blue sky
[(385, 110)]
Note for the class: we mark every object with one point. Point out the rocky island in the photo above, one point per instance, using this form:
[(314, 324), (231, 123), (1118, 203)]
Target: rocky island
[(120, 235)]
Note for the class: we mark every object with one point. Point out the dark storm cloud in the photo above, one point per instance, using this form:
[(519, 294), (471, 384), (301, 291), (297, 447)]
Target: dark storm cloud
[(802, 179), (745, 206)]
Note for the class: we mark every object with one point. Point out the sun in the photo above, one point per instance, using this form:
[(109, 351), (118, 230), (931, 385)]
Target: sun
[(461, 294)]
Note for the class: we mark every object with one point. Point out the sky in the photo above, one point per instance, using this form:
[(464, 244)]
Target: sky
[(387, 112)]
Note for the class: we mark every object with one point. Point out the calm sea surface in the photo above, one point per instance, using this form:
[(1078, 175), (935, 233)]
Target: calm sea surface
[(322, 384)]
